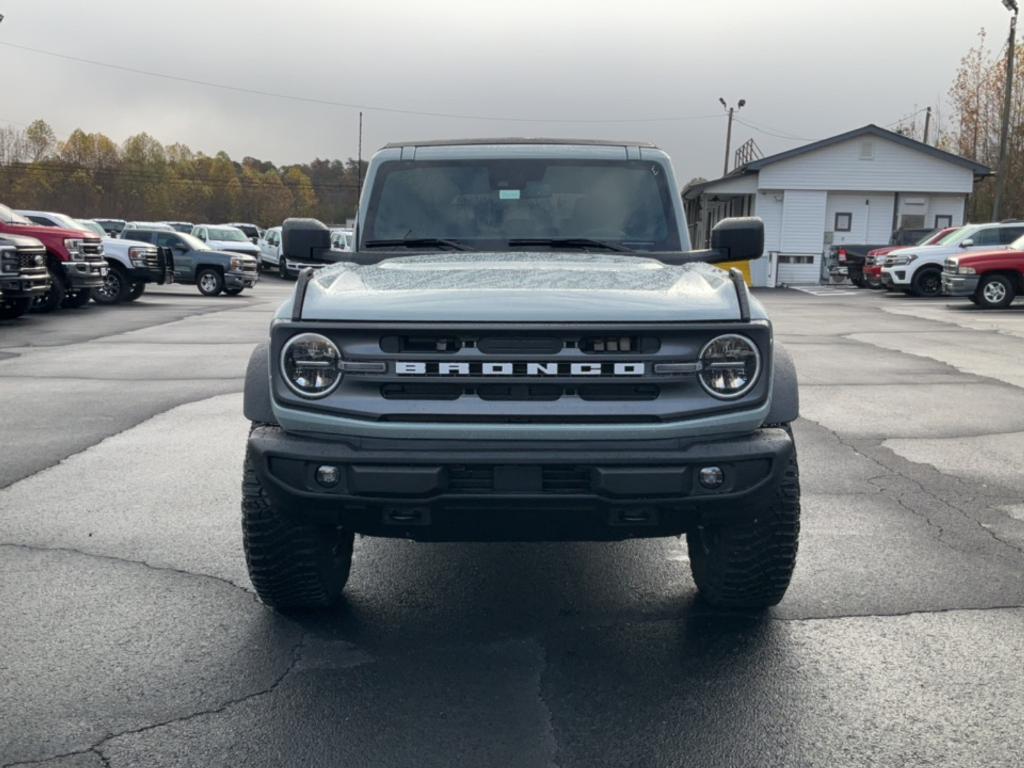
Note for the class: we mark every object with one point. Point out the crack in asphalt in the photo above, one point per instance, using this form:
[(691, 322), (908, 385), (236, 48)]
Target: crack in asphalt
[(131, 561), (899, 499), (96, 748)]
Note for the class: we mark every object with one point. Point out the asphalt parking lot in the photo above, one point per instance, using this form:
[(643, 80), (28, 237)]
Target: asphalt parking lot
[(130, 636)]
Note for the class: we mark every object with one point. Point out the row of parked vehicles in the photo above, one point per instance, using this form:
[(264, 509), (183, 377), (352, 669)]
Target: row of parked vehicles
[(980, 262), (50, 260)]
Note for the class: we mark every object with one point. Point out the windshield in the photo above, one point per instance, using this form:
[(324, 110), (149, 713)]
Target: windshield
[(228, 234), (92, 226), (7, 216), (955, 237), (486, 203)]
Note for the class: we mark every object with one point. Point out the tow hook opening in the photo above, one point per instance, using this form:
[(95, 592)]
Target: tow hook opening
[(407, 515)]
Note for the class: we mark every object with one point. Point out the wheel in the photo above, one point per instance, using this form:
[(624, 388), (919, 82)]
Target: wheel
[(12, 308), (995, 292), (282, 270), (136, 290), (210, 282), (76, 299), (233, 291), (54, 295), (115, 287), (926, 283), (857, 278), (291, 564), (749, 564)]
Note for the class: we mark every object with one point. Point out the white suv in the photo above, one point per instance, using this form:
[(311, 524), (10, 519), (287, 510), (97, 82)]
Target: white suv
[(918, 270)]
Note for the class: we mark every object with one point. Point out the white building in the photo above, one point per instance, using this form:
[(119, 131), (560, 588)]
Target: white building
[(857, 187)]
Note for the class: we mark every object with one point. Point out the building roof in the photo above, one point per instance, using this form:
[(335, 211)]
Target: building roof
[(518, 140), (868, 130)]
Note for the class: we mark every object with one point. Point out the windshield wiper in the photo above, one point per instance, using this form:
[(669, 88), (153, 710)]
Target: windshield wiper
[(569, 242), (418, 242)]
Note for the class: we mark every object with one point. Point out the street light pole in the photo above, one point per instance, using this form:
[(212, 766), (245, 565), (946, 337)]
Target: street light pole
[(1004, 133), (728, 131)]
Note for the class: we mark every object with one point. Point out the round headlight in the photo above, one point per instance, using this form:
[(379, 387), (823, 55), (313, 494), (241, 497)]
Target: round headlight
[(309, 363), (730, 367)]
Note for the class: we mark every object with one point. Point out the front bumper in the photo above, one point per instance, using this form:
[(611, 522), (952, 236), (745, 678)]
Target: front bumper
[(449, 490), (28, 284), (84, 275), (895, 277), (241, 279), (959, 285)]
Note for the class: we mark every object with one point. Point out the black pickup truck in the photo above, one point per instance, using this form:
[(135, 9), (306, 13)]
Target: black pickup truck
[(847, 260)]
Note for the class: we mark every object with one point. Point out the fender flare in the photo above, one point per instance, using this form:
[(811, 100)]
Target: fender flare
[(256, 403), (785, 389)]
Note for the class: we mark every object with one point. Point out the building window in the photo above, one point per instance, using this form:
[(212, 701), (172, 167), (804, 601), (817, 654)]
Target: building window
[(786, 258), (943, 221), (843, 222)]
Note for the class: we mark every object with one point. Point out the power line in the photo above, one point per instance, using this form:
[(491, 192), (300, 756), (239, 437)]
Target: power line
[(778, 134), (350, 105)]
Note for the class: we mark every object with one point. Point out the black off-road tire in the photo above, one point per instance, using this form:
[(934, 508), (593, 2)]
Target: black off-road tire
[(54, 296), (995, 292), (282, 270), (136, 290), (750, 564), (292, 565), (927, 283), (12, 308)]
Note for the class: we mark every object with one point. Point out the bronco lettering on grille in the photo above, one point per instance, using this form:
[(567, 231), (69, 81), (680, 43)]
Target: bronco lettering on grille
[(447, 368)]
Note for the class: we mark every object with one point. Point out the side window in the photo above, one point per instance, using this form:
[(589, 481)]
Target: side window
[(990, 236), (41, 221), (1008, 234), (137, 234), (167, 240)]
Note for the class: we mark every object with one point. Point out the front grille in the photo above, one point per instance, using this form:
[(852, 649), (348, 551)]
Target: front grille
[(27, 259), (151, 259), (92, 250), (528, 374)]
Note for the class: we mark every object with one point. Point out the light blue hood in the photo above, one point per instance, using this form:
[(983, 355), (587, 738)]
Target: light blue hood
[(521, 287)]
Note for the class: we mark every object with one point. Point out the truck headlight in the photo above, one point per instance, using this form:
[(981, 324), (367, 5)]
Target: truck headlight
[(74, 247), (137, 256), (309, 364), (236, 263), (730, 366), (899, 261), (9, 261)]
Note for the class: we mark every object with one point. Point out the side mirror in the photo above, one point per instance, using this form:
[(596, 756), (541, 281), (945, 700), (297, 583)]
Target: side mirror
[(966, 243), (304, 238), (737, 239)]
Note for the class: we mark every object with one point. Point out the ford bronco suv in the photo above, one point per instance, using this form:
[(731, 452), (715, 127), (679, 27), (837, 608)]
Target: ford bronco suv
[(522, 347), (23, 276)]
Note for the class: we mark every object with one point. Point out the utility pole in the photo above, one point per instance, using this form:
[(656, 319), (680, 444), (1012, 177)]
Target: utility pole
[(1004, 133), (927, 123), (728, 131), (359, 160)]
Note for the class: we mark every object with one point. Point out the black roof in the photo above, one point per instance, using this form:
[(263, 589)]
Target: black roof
[(517, 140), (868, 130)]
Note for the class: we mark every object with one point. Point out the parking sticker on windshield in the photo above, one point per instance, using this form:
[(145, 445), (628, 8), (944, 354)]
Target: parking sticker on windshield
[(508, 194)]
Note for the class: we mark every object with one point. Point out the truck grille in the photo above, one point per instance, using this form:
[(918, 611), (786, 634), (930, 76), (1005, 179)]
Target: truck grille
[(27, 259), (532, 374), (552, 479)]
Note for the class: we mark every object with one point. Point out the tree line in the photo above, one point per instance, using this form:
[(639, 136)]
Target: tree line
[(90, 175), (970, 124)]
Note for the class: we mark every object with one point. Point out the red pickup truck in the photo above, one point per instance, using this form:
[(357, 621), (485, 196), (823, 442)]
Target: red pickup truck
[(991, 279), (875, 259), (74, 260)]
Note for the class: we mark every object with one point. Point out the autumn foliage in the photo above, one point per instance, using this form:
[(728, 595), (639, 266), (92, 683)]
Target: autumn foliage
[(89, 175)]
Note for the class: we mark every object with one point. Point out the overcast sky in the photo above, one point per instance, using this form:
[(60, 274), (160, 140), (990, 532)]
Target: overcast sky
[(807, 68)]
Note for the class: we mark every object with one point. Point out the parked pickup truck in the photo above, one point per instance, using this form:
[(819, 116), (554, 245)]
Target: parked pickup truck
[(74, 260), (991, 279), (849, 260), (23, 276), (522, 347), (131, 264), (918, 271), (875, 259), (196, 263)]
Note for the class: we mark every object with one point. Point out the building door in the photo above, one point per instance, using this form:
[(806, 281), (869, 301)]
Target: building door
[(803, 232)]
